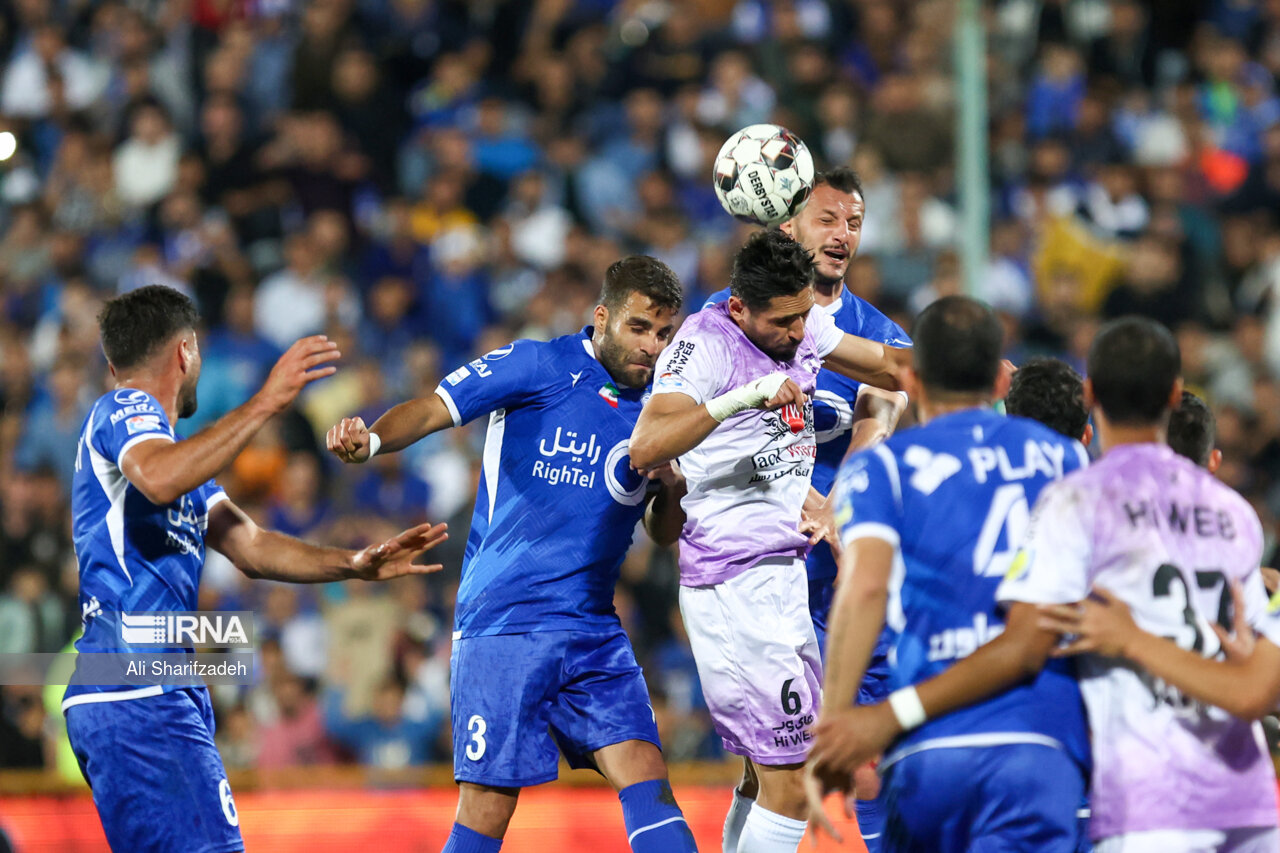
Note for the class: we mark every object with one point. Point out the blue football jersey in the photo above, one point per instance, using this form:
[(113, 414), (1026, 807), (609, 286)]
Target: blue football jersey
[(953, 497), (133, 556), (834, 399), (558, 501)]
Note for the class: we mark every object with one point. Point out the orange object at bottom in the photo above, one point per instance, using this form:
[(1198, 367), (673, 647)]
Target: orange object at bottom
[(549, 818)]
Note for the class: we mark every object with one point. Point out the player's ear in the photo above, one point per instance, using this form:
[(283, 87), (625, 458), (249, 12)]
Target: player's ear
[(1089, 399), (1087, 438), (601, 318), (911, 383), (1215, 461), (788, 228), (737, 309), (1175, 395)]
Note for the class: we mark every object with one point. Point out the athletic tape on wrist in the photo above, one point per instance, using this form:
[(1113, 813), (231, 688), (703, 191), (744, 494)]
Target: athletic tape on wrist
[(907, 707)]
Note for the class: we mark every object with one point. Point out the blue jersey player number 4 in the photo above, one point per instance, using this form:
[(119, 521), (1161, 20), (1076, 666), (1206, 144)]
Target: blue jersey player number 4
[(541, 666)]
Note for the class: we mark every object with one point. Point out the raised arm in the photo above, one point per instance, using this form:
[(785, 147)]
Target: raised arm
[(672, 424), (271, 555), (398, 428), (164, 471), (876, 364)]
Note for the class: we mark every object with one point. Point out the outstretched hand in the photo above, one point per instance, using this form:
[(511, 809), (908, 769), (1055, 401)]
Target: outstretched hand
[(301, 364), (394, 557)]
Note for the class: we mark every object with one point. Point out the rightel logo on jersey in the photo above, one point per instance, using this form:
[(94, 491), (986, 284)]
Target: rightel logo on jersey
[(169, 629), (572, 457)]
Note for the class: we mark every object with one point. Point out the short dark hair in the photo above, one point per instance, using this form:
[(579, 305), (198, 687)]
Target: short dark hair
[(1193, 429), (958, 342), (1049, 390), (1133, 365), (769, 264), (641, 274), (135, 325), (841, 178)]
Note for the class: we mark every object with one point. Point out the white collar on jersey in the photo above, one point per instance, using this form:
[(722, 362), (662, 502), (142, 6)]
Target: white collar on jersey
[(591, 351), (835, 303)]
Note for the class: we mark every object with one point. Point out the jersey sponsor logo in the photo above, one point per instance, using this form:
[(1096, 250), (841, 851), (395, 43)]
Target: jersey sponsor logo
[(931, 469), (500, 352), (458, 375), (143, 423), (785, 453), (957, 643), (124, 412), (680, 358), (129, 396), (672, 381), (572, 458), (1038, 457)]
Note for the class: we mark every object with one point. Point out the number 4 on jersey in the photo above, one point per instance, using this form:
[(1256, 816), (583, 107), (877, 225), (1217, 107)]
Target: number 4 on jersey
[(1008, 518)]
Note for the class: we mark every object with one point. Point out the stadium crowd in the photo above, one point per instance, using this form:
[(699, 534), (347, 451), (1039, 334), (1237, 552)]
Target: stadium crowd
[(424, 180)]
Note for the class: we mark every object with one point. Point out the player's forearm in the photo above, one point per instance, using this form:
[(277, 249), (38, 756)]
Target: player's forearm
[(166, 473), (866, 361), (883, 407), (661, 437), (276, 556), (1017, 655), (411, 421), (664, 519), (1249, 689), (857, 617)]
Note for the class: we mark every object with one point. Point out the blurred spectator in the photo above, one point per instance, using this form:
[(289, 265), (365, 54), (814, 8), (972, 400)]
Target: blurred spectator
[(146, 163), (386, 738), (54, 422), (30, 615), (298, 737)]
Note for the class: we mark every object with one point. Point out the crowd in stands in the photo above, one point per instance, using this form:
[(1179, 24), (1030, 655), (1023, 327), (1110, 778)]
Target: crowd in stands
[(424, 180)]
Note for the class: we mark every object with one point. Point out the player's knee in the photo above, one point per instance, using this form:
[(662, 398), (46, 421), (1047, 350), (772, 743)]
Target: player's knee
[(486, 809), (782, 791), (630, 763)]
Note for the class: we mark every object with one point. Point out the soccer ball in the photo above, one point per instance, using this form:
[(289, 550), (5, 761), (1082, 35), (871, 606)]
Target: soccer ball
[(763, 174)]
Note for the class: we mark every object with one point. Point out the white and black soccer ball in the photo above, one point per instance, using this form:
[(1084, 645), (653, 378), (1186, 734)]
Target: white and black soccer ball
[(763, 174)]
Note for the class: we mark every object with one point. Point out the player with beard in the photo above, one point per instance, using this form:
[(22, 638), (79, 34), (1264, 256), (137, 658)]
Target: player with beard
[(144, 507), (732, 401), (847, 416), (541, 665)]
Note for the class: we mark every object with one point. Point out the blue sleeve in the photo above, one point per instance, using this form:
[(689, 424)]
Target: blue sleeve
[(498, 380), (124, 418), (869, 497), (718, 296), (875, 326), (1075, 457)]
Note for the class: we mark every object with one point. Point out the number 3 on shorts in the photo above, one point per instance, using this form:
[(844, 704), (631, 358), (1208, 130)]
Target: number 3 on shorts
[(477, 727)]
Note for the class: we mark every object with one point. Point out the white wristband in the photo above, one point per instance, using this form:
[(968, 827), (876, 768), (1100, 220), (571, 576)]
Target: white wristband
[(906, 706), (749, 396), (374, 444)]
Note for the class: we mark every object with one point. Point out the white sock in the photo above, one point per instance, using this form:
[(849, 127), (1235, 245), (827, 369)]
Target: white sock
[(734, 821), (766, 832)]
